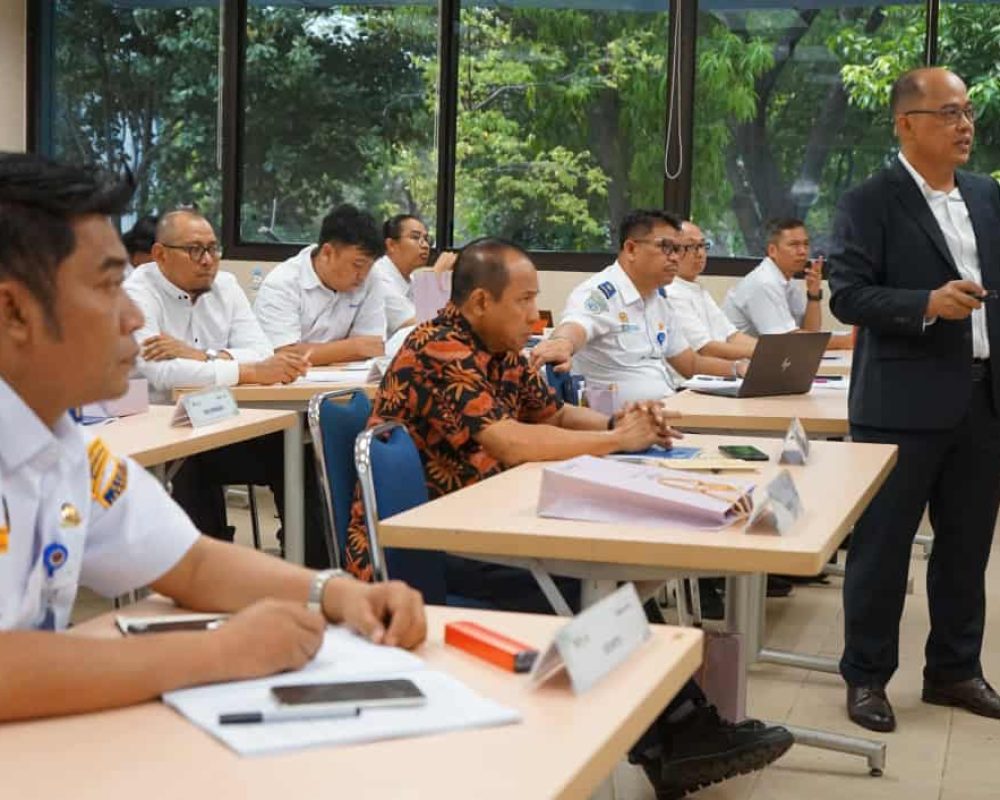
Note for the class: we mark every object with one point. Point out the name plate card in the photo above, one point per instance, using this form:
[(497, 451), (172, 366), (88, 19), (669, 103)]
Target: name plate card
[(199, 409), (778, 507), (596, 641), (795, 447)]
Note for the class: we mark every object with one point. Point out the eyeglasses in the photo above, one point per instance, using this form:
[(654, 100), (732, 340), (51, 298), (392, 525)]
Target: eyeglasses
[(420, 237), (950, 115), (196, 252), (672, 248), (699, 247)]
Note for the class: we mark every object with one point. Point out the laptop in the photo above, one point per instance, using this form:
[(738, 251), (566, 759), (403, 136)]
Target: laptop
[(782, 363)]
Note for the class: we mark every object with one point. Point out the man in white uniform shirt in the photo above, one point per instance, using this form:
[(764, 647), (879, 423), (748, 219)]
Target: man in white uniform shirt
[(324, 303), (407, 248), (769, 300), (618, 328), (73, 514)]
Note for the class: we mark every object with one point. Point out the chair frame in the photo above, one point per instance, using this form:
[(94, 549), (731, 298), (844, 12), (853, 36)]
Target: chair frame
[(316, 432), (363, 462)]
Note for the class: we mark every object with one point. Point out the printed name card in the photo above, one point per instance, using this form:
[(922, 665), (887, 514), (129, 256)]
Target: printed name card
[(596, 641), (778, 507), (203, 408), (795, 448)]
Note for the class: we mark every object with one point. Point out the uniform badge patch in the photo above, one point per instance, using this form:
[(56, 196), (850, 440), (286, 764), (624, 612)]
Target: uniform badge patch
[(623, 317), (607, 289), (595, 303), (662, 291), (661, 337), (108, 475)]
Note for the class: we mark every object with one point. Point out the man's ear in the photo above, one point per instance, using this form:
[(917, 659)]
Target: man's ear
[(15, 312), (477, 302)]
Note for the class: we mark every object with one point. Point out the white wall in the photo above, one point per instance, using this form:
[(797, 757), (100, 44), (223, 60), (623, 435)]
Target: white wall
[(13, 116)]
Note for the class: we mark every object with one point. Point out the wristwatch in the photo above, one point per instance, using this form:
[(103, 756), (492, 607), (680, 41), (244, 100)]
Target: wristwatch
[(318, 585), (816, 297), (211, 355)]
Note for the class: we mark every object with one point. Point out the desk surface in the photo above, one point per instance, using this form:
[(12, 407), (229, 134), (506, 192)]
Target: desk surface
[(149, 439), (497, 517), (564, 747), (822, 412), (836, 362)]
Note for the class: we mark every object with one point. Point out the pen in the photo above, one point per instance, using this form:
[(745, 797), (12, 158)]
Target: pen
[(829, 379), (288, 715)]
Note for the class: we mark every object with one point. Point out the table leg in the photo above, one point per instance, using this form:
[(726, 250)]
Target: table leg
[(592, 590), (294, 522)]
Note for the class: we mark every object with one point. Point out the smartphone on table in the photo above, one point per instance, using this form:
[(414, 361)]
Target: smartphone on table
[(361, 694), (744, 452)]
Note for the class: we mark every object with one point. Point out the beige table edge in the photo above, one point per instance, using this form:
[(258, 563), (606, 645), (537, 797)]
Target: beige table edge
[(89, 756), (287, 393)]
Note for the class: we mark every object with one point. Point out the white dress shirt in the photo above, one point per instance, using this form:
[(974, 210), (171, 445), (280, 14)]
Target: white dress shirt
[(72, 514), (697, 314), (220, 319), (629, 337), (952, 217), (398, 293), (293, 305), (765, 301)]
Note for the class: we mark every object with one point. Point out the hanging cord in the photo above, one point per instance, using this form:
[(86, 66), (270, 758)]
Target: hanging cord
[(674, 108)]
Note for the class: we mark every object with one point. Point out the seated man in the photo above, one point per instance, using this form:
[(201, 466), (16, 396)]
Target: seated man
[(618, 327), (490, 410), (768, 300), (74, 514), (139, 240), (198, 330), (706, 328), (407, 248), (323, 302)]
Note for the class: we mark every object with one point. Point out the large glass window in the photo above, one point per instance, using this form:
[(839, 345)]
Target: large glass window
[(340, 103), (561, 117), (791, 109), (970, 46), (139, 84)]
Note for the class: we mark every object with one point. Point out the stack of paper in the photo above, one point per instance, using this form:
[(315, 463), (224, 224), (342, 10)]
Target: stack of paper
[(356, 372), (343, 657)]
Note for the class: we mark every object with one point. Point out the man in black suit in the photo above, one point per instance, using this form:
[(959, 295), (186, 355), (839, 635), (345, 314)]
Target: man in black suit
[(914, 247)]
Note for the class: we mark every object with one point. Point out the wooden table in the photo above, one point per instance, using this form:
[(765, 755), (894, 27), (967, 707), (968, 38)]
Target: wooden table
[(149, 439), (565, 746), (823, 412), (836, 362), (293, 396)]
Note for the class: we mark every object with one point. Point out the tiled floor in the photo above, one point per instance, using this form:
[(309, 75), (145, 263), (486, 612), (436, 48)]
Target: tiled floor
[(936, 754)]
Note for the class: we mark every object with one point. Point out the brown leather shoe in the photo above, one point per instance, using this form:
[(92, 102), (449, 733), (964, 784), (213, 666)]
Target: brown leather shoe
[(869, 707), (974, 695)]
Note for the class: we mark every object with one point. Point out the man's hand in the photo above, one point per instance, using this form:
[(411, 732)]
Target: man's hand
[(814, 276), (165, 348), (660, 414), (557, 351), (741, 367), (268, 637), (283, 367), (954, 300), (445, 262), (386, 613), (639, 429)]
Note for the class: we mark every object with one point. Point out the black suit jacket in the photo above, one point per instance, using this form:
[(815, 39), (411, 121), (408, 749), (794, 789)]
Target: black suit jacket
[(888, 254)]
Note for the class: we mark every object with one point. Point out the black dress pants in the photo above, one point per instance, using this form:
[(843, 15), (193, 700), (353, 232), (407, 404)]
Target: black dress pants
[(956, 473)]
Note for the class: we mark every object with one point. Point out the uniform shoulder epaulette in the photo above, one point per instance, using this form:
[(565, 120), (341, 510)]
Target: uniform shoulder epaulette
[(607, 288), (108, 475)]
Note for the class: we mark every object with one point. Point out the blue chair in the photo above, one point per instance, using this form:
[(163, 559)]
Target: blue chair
[(565, 384), (335, 420), (392, 481)]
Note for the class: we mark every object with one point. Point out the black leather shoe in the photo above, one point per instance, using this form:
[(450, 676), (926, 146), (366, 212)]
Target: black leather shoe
[(974, 695), (778, 586), (869, 707)]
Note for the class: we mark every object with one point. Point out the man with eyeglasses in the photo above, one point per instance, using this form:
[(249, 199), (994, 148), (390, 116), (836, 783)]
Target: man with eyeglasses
[(407, 248), (199, 330), (915, 263), (769, 299), (618, 329)]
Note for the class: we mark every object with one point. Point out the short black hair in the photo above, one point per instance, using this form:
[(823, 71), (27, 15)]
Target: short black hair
[(40, 199), (141, 237), (642, 220), (773, 228), (393, 227), (347, 225), (905, 88), (482, 264)]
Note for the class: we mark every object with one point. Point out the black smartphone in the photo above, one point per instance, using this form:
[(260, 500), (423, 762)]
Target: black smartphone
[(364, 694), (744, 452)]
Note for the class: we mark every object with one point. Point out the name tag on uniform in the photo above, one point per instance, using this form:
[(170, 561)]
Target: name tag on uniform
[(596, 641), (778, 507), (203, 408)]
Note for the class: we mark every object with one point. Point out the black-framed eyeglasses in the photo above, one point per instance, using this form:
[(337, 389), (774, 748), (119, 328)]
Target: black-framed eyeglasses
[(699, 247), (667, 247), (196, 252), (950, 115)]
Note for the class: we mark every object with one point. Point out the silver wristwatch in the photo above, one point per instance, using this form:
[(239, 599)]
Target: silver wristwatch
[(315, 602)]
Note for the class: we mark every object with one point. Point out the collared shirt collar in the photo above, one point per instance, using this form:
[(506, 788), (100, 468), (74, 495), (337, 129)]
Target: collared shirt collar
[(452, 315), (165, 285), (308, 278), (630, 294), (928, 191), (25, 436), (769, 264), (684, 284), (397, 275)]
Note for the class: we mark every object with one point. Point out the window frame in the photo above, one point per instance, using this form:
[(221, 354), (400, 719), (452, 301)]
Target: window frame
[(676, 192)]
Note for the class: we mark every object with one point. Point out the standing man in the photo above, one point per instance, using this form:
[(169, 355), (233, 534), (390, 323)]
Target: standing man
[(914, 247)]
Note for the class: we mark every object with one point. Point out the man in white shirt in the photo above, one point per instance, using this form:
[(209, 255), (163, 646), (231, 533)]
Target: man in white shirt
[(73, 514), (705, 327), (618, 329), (198, 330), (769, 300), (407, 248), (324, 303)]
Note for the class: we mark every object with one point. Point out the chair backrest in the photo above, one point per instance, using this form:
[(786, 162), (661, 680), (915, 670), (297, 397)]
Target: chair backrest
[(431, 292), (335, 420), (392, 481), (566, 385)]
